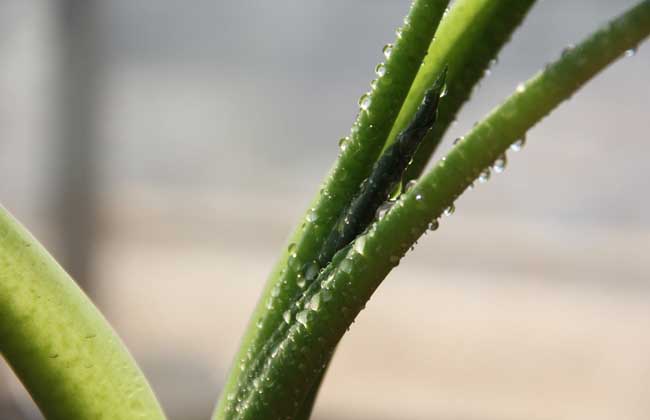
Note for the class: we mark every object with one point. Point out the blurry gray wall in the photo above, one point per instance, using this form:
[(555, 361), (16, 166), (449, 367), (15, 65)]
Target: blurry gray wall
[(76, 109)]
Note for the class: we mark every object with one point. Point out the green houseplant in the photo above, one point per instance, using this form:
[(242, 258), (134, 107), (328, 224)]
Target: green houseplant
[(74, 365)]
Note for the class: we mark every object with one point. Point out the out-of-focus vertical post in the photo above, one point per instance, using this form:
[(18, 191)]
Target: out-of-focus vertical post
[(76, 108)]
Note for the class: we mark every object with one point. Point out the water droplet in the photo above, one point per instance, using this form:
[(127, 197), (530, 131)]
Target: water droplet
[(301, 281), (303, 317), (499, 165), (388, 49), (291, 247), (458, 140), (444, 91), (487, 72), (312, 216), (287, 316), (410, 184), (328, 282), (383, 209), (346, 265), (450, 210), (567, 49), (493, 62), (434, 225), (314, 302), (398, 32), (360, 244), (311, 270), (293, 262), (484, 176), (343, 143), (373, 84), (630, 52), (275, 292), (364, 101), (521, 88), (380, 70), (418, 197), (519, 144), (259, 323), (325, 295)]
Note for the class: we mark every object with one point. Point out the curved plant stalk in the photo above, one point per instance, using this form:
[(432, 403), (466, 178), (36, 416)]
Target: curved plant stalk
[(470, 36), (330, 304), (468, 40), (359, 151), (386, 173), (356, 218), (57, 342)]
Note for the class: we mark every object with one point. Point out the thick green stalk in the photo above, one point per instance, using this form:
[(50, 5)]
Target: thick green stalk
[(470, 36), (334, 300), (58, 344), (468, 40), (358, 153)]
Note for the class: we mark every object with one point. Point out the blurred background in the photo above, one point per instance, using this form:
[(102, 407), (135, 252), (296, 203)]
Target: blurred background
[(163, 151)]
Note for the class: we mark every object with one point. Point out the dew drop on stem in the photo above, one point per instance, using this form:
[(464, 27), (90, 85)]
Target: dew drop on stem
[(303, 317), (410, 184), (499, 165), (365, 101), (567, 50), (346, 266), (360, 245), (383, 209), (314, 302), (311, 271), (484, 176), (388, 49), (287, 316), (380, 70), (519, 144), (301, 281), (343, 143), (312, 216), (450, 210)]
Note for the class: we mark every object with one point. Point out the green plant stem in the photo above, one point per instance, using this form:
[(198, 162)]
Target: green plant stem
[(57, 342), (359, 153), (336, 298), (468, 41), (469, 37)]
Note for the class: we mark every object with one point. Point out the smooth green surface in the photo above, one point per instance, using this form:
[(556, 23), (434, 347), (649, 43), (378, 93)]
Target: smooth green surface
[(329, 306), (58, 344), (365, 143)]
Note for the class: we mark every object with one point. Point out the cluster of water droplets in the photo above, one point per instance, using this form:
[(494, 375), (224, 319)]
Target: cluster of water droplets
[(381, 71)]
